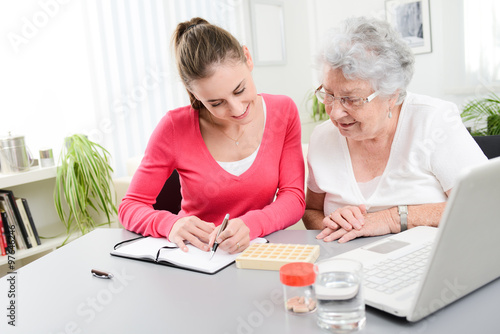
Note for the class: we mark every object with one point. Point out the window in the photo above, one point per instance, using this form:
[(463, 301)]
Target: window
[(482, 42), (135, 81)]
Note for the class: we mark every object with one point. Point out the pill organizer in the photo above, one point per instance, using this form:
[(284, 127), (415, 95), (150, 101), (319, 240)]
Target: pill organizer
[(272, 256)]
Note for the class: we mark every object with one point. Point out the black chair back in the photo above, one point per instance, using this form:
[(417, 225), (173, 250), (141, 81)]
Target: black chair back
[(169, 198), (490, 145)]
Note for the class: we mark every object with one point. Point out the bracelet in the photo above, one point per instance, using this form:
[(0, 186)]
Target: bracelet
[(403, 216)]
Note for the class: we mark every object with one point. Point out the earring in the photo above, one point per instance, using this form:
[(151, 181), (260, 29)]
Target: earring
[(390, 113)]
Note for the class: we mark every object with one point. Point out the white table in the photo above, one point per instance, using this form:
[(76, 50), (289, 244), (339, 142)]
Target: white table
[(58, 294)]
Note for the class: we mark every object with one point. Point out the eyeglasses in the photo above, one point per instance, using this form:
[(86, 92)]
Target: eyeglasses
[(349, 102)]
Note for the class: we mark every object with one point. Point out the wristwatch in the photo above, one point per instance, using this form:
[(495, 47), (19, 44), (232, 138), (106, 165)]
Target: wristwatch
[(403, 215)]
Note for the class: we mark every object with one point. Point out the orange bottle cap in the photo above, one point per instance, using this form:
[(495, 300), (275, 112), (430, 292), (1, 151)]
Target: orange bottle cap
[(297, 274)]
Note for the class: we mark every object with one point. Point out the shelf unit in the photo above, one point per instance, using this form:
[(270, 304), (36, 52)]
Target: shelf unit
[(37, 186)]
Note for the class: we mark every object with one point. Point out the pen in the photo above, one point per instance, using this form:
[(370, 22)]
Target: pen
[(101, 274), (222, 228)]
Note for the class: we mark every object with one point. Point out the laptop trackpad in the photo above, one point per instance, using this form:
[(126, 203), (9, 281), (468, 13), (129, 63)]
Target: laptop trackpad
[(388, 246)]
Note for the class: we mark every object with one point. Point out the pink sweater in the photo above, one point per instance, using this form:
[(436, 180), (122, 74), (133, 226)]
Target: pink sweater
[(208, 191)]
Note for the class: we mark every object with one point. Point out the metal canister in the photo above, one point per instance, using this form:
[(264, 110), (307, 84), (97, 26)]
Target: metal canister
[(14, 156), (46, 157)]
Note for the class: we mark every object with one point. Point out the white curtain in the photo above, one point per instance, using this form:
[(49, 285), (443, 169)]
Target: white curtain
[(133, 71), (482, 43)]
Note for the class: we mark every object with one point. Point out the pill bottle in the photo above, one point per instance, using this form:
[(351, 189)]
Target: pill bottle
[(298, 287)]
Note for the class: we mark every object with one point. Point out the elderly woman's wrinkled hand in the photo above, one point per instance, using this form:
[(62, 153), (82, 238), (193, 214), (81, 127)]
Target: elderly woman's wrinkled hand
[(347, 218), (376, 223)]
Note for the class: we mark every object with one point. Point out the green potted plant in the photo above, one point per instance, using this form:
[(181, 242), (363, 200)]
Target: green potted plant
[(315, 113), (83, 185), (318, 112), (485, 113)]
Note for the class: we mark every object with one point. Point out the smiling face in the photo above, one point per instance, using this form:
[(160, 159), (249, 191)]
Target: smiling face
[(229, 94), (368, 121)]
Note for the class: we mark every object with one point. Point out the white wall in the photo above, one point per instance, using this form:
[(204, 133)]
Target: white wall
[(295, 77), (307, 21), (45, 79), (440, 73), (429, 68), (46, 83)]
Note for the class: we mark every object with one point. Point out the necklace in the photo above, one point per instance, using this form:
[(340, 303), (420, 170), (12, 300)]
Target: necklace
[(236, 141)]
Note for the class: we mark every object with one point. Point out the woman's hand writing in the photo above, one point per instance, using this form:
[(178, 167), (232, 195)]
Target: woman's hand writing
[(235, 238), (191, 229)]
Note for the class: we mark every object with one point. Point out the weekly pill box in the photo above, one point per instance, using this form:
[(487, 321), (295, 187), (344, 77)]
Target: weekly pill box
[(273, 256)]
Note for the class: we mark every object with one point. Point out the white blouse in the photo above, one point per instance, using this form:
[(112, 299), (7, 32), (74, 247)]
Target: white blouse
[(431, 147)]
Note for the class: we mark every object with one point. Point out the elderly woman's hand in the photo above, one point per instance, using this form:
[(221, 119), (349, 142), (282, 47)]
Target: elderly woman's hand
[(346, 218), (376, 223)]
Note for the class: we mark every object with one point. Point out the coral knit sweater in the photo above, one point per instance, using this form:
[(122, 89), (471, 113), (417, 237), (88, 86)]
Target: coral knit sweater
[(269, 196)]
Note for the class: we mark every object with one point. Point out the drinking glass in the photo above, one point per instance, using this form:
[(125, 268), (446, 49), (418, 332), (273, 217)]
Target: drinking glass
[(339, 294)]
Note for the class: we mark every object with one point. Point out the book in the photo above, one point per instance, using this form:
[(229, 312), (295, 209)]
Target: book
[(32, 222), (9, 196), (3, 240), (24, 220), (5, 229), (5, 204), (27, 221), (161, 251)]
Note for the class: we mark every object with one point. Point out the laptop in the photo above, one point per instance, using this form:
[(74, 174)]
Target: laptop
[(451, 261)]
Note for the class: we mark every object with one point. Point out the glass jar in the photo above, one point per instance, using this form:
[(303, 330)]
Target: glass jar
[(298, 287)]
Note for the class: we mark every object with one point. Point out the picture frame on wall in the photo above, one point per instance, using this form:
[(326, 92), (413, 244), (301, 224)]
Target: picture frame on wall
[(412, 19), (268, 32)]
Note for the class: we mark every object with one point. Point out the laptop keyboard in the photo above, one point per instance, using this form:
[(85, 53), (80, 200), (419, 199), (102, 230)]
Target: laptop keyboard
[(392, 275)]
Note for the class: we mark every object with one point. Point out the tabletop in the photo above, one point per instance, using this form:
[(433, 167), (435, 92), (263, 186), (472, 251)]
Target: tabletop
[(58, 294)]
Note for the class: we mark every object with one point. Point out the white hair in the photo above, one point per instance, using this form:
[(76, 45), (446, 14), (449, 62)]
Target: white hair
[(370, 49)]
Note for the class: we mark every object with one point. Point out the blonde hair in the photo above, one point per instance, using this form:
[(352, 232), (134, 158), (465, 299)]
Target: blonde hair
[(199, 46)]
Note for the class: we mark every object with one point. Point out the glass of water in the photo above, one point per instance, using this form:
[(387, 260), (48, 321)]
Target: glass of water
[(339, 294)]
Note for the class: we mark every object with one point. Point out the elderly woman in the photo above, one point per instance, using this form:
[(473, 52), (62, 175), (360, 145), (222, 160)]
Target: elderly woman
[(387, 159)]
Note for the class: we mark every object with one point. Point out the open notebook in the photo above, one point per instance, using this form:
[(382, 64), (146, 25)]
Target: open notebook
[(162, 251)]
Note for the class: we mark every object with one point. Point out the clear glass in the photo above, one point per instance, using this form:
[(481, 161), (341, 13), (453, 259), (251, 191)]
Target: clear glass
[(339, 295), (349, 102), (299, 299)]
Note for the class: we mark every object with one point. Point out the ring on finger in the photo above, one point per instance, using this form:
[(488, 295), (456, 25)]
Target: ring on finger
[(237, 245)]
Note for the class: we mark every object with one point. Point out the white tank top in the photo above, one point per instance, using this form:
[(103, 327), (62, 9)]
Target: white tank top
[(241, 166)]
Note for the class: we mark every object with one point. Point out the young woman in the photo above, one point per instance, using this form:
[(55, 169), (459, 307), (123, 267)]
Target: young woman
[(236, 151)]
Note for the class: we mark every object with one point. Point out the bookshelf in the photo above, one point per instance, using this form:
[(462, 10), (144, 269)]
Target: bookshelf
[(37, 186)]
